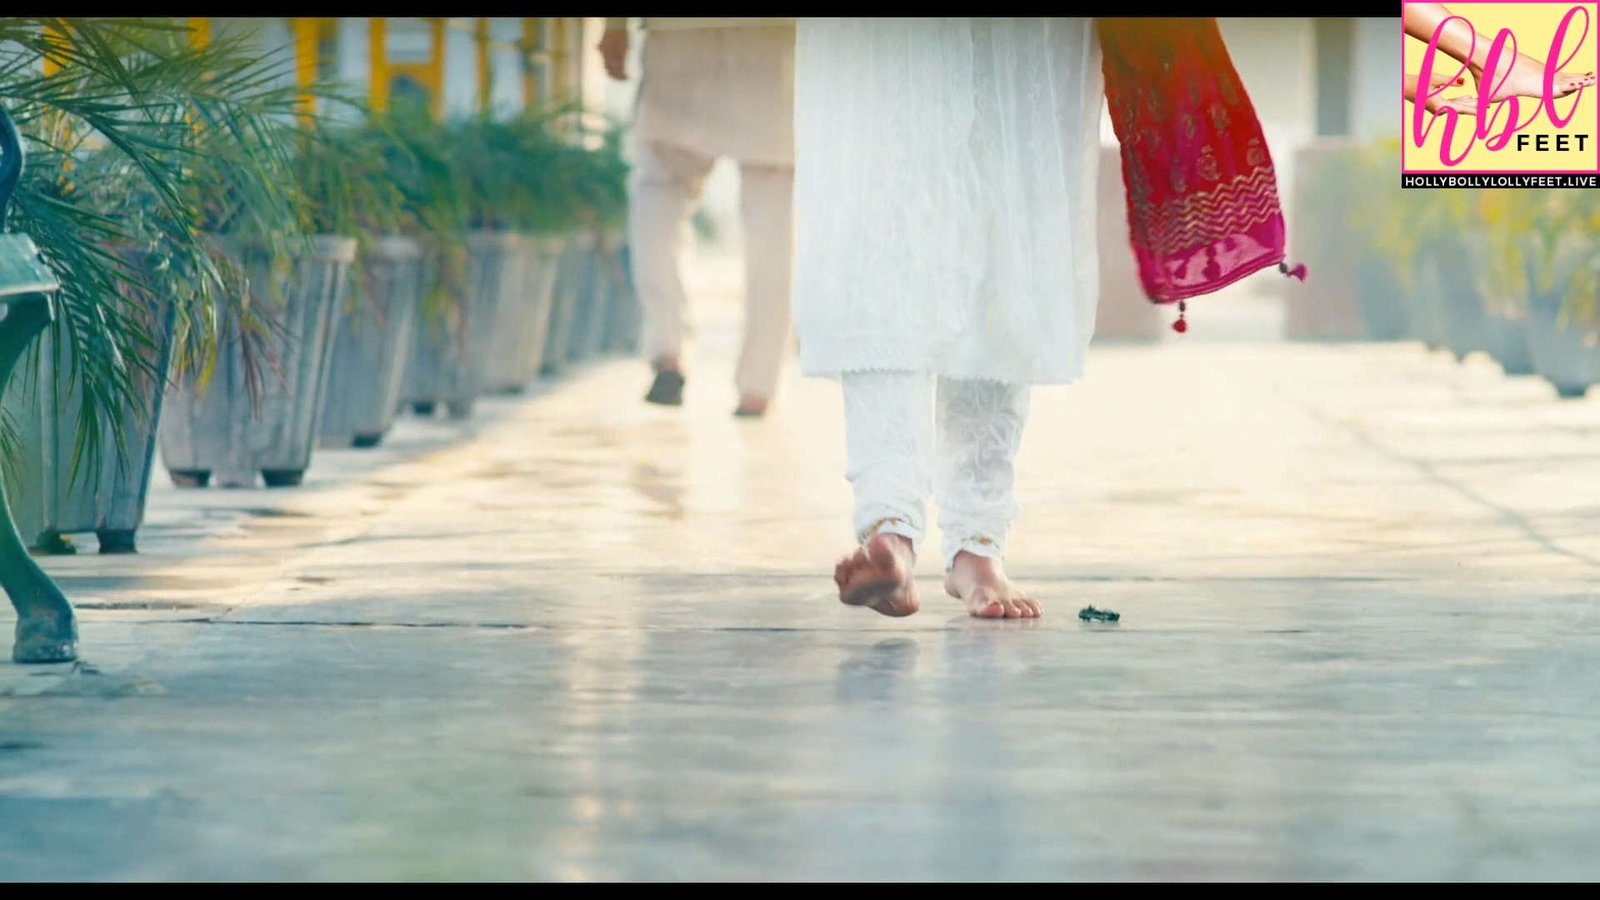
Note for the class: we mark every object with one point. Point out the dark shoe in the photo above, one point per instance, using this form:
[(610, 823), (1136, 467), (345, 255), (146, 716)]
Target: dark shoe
[(742, 413), (667, 389)]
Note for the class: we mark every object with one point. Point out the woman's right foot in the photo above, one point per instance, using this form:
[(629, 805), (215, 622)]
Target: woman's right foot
[(880, 576)]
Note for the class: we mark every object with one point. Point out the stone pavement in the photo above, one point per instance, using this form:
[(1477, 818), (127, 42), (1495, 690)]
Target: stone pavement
[(593, 640)]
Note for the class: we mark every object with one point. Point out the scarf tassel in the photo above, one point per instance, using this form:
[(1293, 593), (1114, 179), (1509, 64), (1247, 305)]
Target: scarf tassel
[(1298, 270)]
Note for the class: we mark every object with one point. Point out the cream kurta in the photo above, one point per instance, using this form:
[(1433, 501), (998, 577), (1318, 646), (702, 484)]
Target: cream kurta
[(719, 87), (944, 196)]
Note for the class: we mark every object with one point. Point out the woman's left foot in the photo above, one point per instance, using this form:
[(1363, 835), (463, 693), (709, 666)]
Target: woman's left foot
[(981, 583)]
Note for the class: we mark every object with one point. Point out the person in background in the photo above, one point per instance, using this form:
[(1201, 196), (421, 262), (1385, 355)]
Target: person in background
[(711, 88)]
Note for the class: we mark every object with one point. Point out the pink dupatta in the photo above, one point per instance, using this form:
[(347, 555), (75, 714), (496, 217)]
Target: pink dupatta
[(1203, 207)]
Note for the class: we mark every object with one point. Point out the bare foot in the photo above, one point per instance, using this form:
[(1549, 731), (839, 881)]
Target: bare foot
[(879, 576), (1526, 79), (982, 585)]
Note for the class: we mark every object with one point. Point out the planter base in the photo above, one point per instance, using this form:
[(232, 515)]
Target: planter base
[(190, 478), (283, 477), (117, 541)]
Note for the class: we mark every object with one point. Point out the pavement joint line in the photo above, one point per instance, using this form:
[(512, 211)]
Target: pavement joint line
[(1431, 472)]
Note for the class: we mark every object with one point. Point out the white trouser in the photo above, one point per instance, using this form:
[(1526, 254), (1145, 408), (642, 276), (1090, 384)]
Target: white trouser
[(666, 185), (912, 434)]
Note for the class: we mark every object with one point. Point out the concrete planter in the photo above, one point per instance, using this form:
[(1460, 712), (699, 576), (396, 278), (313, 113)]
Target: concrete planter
[(1382, 301), (1424, 306), (527, 293), (1326, 307), (216, 429), (372, 345), (1504, 337), (626, 316), (1467, 327), (1567, 357), (49, 498), (450, 356), (594, 309), (1565, 353), (573, 280)]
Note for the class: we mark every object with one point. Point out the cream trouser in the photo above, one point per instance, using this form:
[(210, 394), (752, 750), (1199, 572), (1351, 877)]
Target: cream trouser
[(911, 434), (666, 186)]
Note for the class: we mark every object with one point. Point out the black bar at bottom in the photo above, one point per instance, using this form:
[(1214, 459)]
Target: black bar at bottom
[(1500, 181)]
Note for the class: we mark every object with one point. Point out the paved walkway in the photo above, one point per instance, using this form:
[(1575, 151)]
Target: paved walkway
[(595, 640)]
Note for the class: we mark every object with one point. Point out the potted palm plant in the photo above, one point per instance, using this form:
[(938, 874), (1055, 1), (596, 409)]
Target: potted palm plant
[(593, 180), (345, 176), (1413, 235), (601, 186), (1467, 325), (1560, 269), (1496, 222), (134, 125), (530, 183), (452, 349), (1373, 220), (231, 419)]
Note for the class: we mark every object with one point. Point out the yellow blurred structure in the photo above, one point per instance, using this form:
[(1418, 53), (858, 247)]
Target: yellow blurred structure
[(491, 65)]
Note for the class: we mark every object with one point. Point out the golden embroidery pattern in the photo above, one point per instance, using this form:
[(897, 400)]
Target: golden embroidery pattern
[(1232, 208)]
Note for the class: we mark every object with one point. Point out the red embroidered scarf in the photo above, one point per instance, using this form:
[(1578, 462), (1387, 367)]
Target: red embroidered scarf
[(1203, 208)]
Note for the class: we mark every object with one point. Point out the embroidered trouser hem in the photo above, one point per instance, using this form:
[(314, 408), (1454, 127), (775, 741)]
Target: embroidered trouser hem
[(912, 435)]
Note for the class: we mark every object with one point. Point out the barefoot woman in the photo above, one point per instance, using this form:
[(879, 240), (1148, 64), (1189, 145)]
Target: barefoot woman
[(945, 262), (945, 250)]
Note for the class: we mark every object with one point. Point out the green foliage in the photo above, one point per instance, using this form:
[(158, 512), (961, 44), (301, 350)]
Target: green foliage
[(1530, 247), (141, 148), (152, 163)]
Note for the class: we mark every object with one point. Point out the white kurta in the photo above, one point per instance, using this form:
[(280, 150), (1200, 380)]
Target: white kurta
[(944, 196)]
